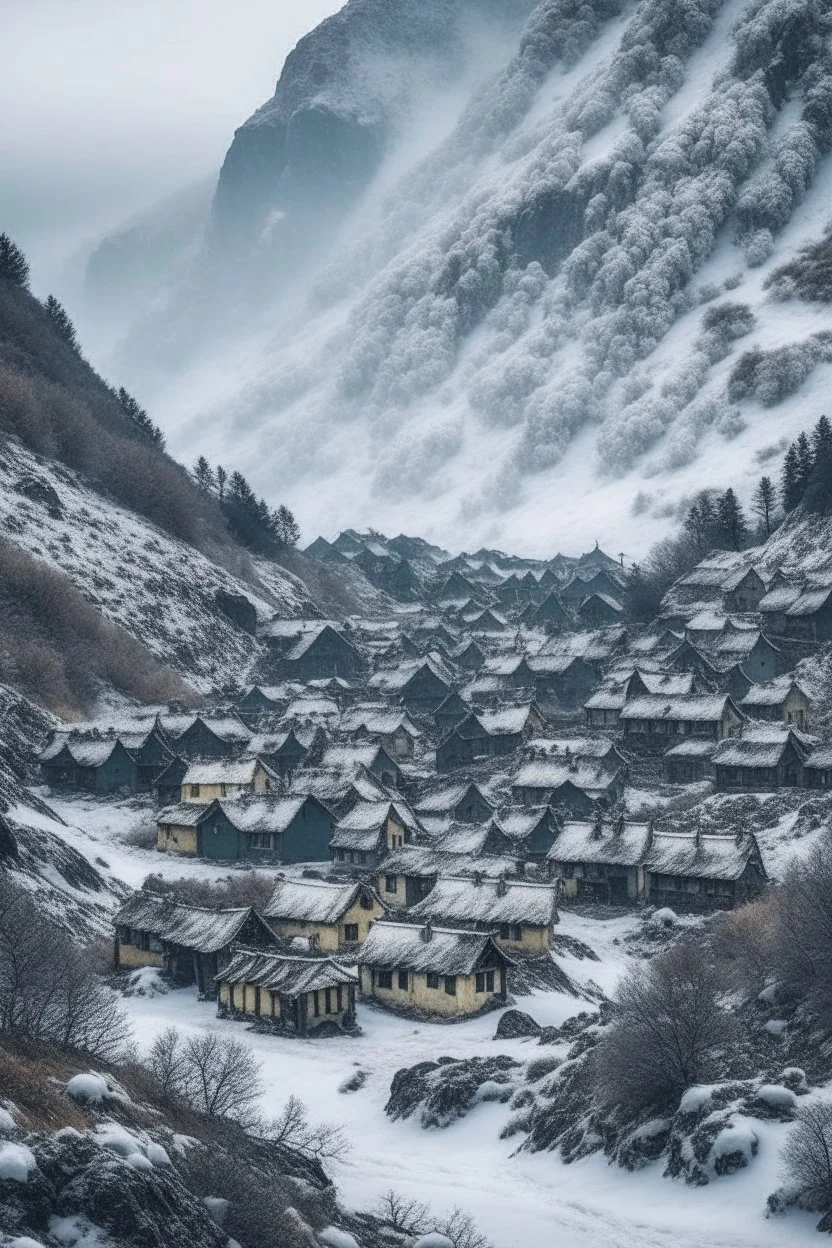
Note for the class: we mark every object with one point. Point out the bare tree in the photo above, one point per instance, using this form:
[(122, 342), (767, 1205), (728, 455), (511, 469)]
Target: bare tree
[(669, 1029), (461, 1229), (322, 1141), (408, 1217), (802, 937), (167, 1062), (220, 1076), (808, 1157)]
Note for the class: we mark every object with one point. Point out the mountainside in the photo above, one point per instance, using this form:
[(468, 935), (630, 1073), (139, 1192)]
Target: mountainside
[(560, 287)]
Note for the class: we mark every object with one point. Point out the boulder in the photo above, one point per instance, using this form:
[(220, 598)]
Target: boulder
[(515, 1024), (237, 609)]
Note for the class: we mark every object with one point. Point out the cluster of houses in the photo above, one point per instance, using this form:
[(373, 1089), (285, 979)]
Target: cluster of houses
[(452, 769)]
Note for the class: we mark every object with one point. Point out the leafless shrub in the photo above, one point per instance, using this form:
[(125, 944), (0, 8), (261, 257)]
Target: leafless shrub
[(213, 1074), (668, 1032), (807, 1156), (319, 1141), (802, 932), (461, 1229), (408, 1217), (142, 836), (240, 888), (48, 990), (742, 940)]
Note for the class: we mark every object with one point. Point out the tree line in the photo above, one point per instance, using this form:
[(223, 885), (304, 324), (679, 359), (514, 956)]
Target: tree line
[(249, 518)]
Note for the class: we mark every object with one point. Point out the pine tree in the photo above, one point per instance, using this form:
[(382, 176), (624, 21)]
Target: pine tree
[(14, 266), (730, 521), (140, 419), (790, 491), (288, 529), (700, 522), (805, 462), (61, 322), (763, 503), (222, 478), (819, 491), (203, 475)]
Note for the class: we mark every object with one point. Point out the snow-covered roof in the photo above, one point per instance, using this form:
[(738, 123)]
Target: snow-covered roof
[(440, 950), (474, 900), (193, 927), (289, 976), (271, 742), (779, 597), (309, 639), (312, 901), (348, 758), (226, 771), (507, 721), (810, 601), (463, 838), (691, 748), (760, 746), (564, 748), (702, 708), (226, 727), (86, 753), (518, 822), (310, 707), (183, 814), (772, 692), (425, 861), (701, 856), (446, 796), (619, 844), (708, 620), (607, 599), (549, 773), (381, 720), (261, 813)]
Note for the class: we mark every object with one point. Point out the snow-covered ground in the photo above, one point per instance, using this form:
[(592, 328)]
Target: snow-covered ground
[(520, 1200)]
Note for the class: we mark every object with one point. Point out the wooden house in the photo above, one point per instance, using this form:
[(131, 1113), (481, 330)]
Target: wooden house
[(426, 687), (521, 914), (783, 591), (781, 700), (259, 700), (292, 995), (809, 618), (226, 777), (347, 758), (527, 832), (432, 970), (324, 652), (817, 769), (541, 781), (688, 658), (456, 589), (391, 727), (471, 657), (733, 681), (690, 761), (167, 786), (443, 804), (658, 717), (407, 875), (268, 829), (765, 757), (598, 610), (94, 764), (475, 840), (694, 871), (370, 830), (450, 713), (330, 914), (600, 860), (564, 678), (189, 943), (283, 752), (760, 659), (489, 734), (603, 708), (743, 590), (216, 737), (550, 614)]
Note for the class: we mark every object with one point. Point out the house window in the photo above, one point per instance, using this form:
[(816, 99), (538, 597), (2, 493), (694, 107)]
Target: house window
[(385, 979), (433, 979), (351, 933), (329, 1009), (223, 790), (450, 985), (366, 902), (403, 980), (316, 1003), (194, 790), (260, 840), (390, 884), (485, 981)]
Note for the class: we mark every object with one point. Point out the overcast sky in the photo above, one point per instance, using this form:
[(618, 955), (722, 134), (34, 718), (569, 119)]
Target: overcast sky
[(108, 105)]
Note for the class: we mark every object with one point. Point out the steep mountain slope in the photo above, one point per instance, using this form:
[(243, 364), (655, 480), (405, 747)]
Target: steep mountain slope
[(545, 304)]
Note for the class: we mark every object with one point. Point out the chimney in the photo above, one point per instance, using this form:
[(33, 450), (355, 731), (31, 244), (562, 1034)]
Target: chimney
[(427, 931), (502, 887), (478, 879)]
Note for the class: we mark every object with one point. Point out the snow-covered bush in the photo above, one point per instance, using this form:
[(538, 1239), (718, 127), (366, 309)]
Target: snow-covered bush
[(771, 376)]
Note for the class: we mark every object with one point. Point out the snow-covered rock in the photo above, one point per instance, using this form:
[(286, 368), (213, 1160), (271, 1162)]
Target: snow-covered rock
[(16, 1161)]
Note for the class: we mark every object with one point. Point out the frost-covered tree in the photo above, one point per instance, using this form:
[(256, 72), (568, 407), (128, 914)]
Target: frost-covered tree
[(790, 491), (203, 475), (731, 527), (764, 502), (140, 420), (222, 479)]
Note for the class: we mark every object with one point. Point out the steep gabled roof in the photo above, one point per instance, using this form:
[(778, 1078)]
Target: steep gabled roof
[(701, 856), (263, 813), (289, 976), (771, 692), (762, 746), (313, 901), (463, 899), (620, 843), (227, 771), (701, 708), (193, 927), (445, 951)]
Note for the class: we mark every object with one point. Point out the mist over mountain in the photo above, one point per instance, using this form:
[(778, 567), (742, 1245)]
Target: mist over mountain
[(517, 269)]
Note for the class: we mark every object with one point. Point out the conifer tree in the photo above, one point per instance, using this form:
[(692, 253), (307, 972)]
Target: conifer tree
[(288, 529), (731, 523), (790, 492), (222, 478), (14, 266), (819, 491), (700, 521), (805, 462), (136, 413), (61, 322), (763, 503), (203, 475)]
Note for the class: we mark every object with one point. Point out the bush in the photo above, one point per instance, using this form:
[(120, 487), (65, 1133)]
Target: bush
[(669, 1031), (802, 933), (240, 888), (57, 648), (214, 1075), (807, 1156)]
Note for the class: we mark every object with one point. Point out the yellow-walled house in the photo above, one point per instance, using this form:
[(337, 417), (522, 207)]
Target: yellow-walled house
[(407, 875), (370, 830), (177, 828), (190, 943), (293, 994), (441, 971), (227, 777), (520, 913), (331, 914)]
